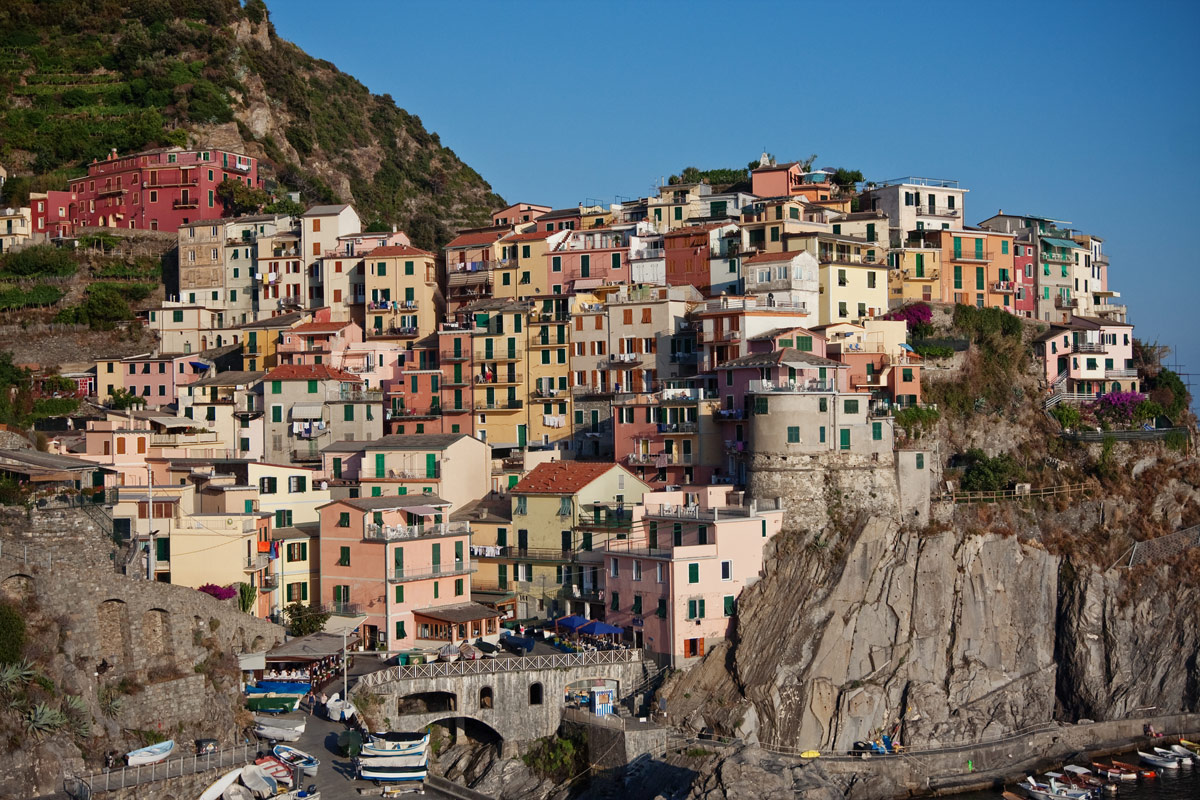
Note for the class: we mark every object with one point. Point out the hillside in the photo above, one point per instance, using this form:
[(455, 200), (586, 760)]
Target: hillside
[(79, 78)]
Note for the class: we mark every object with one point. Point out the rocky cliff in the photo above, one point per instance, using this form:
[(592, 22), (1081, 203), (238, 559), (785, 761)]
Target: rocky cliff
[(960, 630)]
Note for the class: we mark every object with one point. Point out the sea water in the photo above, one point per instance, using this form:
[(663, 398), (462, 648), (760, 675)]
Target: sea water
[(1182, 784)]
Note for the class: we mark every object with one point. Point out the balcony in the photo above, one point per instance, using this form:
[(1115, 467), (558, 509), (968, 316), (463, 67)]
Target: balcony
[(539, 554), (1088, 347), (547, 341), (642, 459), (791, 387), (679, 395), (1066, 303), (496, 355), (729, 414), (186, 202), (426, 573), (685, 358), (398, 331), (397, 306), (459, 278), (306, 456), (647, 254), (625, 359), (499, 379), (454, 357), (396, 533), (170, 182), (1100, 260), (1120, 373), (456, 410), (1105, 309), (678, 427), (456, 382), (713, 337), (1052, 255), (845, 257), (1004, 287), (352, 394), (928, 275), (676, 459), (339, 609), (414, 413), (255, 563), (977, 256), (499, 405), (934, 211), (269, 583)]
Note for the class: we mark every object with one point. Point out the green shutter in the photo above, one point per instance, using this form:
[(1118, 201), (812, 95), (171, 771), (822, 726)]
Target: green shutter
[(693, 573)]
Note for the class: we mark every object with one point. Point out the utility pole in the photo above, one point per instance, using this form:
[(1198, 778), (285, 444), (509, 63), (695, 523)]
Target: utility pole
[(151, 561)]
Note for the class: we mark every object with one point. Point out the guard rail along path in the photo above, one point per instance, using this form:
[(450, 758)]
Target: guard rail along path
[(1021, 492), (126, 777), (491, 666)]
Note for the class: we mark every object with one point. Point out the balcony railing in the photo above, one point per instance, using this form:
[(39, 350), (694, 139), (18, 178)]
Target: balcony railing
[(339, 609), (929, 275), (1087, 347), (934, 211), (499, 405), (436, 571), (306, 455), (625, 358), (255, 562), (1066, 303), (726, 414), (269, 583), (678, 427), (1061, 258), (498, 378), (685, 358), (393, 533), (497, 355), (972, 255), (543, 554), (711, 337), (843, 257), (453, 357), (642, 458), (186, 202), (791, 387), (414, 413), (1120, 373), (355, 393)]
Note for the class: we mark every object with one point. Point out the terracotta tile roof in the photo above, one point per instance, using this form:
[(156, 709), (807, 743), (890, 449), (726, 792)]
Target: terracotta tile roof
[(712, 226), (308, 372), (399, 250), (475, 239), (763, 258), (320, 327), (561, 477)]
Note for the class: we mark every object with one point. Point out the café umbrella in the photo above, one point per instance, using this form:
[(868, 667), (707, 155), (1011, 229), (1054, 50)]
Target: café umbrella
[(598, 628)]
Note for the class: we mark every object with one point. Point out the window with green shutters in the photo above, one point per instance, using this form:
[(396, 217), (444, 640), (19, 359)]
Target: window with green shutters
[(877, 431), (920, 461), (920, 265), (348, 413), (677, 535), (556, 264), (276, 387), (823, 404), (958, 247), (382, 269), (678, 212), (616, 260), (845, 438), (637, 604), (408, 268), (283, 518), (804, 344), (1004, 247), (276, 413), (760, 405), (870, 231), (524, 251), (344, 557), (693, 573), (616, 601), (979, 248), (661, 611), (851, 407), (585, 266), (979, 278), (312, 387), (458, 587), (774, 233), (906, 375), (957, 276), (728, 605), (793, 434)]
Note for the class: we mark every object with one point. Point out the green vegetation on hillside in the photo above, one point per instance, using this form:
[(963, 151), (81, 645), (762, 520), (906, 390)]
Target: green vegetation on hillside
[(80, 77), (998, 355)]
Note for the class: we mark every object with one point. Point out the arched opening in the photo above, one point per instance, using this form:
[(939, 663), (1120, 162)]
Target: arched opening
[(156, 634), (481, 740), (17, 588), (535, 694), (112, 625), (486, 700), (1116, 386), (426, 702), (258, 645)]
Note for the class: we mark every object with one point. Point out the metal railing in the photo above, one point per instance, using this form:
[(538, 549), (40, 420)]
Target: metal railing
[(126, 777), (405, 575), (491, 666), (971, 255), (1120, 373), (1087, 347), (791, 387), (391, 533), (343, 609), (1067, 489)]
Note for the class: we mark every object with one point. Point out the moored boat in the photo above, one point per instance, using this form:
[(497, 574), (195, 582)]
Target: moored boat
[(272, 704), (1114, 773), (150, 755), (1182, 753), (218, 787), (392, 743), (282, 722), (339, 710), (1162, 762), (258, 781), (382, 774), (237, 792), (297, 758), (1051, 791), (417, 759), (279, 734), (1141, 772)]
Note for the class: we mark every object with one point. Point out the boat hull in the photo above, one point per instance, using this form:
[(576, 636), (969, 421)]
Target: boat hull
[(150, 755), (297, 758), (278, 734)]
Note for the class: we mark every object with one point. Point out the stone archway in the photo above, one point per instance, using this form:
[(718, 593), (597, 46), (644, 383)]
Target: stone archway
[(425, 702), (156, 636), (258, 645), (16, 588), (112, 628)]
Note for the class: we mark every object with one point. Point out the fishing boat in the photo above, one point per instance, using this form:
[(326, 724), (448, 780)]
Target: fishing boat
[(1073, 782), (394, 743), (218, 787), (1162, 762), (1136, 770), (273, 703), (1114, 773), (237, 792), (282, 722), (418, 759), (1087, 776), (1191, 748), (339, 710), (150, 755), (281, 734), (367, 770), (297, 758), (278, 770), (1051, 791), (1184, 755), (258, 781), (448, 653)]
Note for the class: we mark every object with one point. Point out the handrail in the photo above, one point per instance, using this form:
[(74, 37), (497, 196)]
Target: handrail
[(125, 777), (489, 666)]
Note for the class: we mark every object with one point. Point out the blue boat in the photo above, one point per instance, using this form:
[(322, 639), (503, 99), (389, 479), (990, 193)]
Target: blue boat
[(297, 758)]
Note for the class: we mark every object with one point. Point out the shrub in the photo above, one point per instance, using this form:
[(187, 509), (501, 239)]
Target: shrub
[(43, 720), (1176, 440), (303, 620), (12, 634), (983, 322), (557, 757), (1118, 408), (915, 419), (934, 351), (42, 259), (1068, 416), (917, 316), (985, 474), (219, 592)]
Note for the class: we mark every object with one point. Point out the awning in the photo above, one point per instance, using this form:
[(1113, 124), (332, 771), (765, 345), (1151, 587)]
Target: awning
[(587, 283), (306, 412), (423, 511), (198, 365), (339, 625), (1060, 242)]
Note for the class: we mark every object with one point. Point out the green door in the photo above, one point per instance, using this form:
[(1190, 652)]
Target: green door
[(398, 561), (380, 470), (457, 347), (585, 266), (979, 249), (587, 540), (512, 346), (458, 399), (487, 349), (845, 438), (458, 555), (957, 247), (458, 371), (502, 575), (522, 434), (337, 468), (437, 559), (430, 465)]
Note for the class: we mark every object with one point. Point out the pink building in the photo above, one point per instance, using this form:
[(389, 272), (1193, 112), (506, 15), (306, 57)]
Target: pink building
[(593, 257), (318, 343), (674, 585), (1088, 357), (401, 563), (1024, 299), (156, 189), (154, 378)]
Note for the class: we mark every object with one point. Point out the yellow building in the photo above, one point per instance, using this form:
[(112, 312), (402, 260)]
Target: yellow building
[(561, 511), (853, 275), (915, 275), (294, 573), (403, 298), (490, 518), (260, 339), (499, 378), (524, 268), (109, 376), (549, 407)]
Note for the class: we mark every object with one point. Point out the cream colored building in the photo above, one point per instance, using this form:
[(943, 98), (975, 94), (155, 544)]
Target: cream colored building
[(403, 300)]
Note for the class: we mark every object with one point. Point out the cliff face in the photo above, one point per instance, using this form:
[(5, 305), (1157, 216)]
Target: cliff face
[(942, 637)]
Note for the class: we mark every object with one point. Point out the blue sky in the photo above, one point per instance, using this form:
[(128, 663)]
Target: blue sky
[(1085, 112)]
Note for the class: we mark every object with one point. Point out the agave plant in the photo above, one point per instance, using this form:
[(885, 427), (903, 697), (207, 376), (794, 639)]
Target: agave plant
[(15, 675), (43, 720), (79, 715), (110, 701)]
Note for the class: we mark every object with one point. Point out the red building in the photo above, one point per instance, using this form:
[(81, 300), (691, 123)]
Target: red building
[(687, 252), (154, 190), (1025, 297)]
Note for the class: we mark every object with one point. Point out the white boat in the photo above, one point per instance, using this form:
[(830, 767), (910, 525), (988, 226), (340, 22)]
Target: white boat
[(150, 755), (1179, 751), (237, 792), (218, 787), (448, 653), (282, 722), (1162, 762), (264, 731), (417, 759), (1051, 791), (297, 758), (339, 710), (259, 782), (393, 743), (370, 772)]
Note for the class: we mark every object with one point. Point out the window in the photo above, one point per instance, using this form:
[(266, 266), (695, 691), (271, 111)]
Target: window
[(726, 570), (458, 587), (348, 413), (276, 413), (957, 276), (696, 609), (522, 504), (728, 607), (693, 573), (851, 407), (920, 461), (877, 431), (297, 592), (344, 519), (267, 485), (842, 309), (344, 557), (297, 483), (283, 518), (614, 568), (793, 434), (535, 694), (616, 601), (823, 404), (276, 387), (637, 569), (297, 551), (1004, 247)]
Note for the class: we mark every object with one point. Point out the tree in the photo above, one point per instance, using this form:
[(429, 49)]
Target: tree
[(303, 620), (284, 205), (239, 199), (121, 400), (847, 178), (806, 164)]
